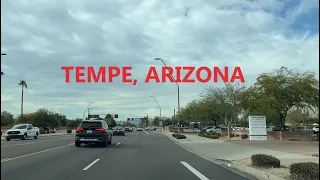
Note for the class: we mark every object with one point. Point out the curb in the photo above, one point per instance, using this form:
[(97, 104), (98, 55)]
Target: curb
[(231, 165)]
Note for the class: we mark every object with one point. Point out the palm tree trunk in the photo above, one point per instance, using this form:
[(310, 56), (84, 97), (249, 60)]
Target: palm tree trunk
[(22, 102)]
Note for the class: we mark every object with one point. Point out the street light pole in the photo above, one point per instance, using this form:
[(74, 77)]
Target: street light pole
[(147, 119), (60, 118), (160, 59), (157, 104), (84, 113), (89, 110)]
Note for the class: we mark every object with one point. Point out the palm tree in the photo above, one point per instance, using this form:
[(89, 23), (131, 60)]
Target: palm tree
[(23, 85)]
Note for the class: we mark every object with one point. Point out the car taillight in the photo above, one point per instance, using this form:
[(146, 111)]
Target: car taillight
[(80, 129), (99, 129)]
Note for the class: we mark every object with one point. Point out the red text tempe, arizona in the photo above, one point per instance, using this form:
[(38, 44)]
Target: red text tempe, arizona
[(107, 74)]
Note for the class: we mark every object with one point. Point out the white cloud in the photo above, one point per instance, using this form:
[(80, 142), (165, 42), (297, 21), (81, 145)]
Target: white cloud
[(43, 36)]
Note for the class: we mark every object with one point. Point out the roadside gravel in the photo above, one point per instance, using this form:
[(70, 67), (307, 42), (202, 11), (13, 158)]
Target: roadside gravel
[(283, 172)]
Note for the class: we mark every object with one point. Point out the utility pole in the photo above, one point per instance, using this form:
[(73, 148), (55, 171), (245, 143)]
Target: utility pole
[(174, 116)]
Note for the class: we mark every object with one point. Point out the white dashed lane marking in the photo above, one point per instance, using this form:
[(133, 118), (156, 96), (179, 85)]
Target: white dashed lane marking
[(91, 164), (194, 171)]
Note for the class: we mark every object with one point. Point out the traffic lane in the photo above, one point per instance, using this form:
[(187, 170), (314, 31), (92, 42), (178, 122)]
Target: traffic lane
[(27, 147), (41, 138), (148, 155), (60, 163)]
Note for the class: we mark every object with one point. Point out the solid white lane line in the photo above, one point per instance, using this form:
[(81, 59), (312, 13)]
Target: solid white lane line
[(91, 164), (118, 143), (194, 171)]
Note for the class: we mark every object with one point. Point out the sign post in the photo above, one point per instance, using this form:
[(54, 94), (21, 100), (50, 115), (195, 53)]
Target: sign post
[(258, 128)]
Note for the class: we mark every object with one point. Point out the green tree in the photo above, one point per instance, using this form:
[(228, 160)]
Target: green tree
[(167, 122), (110, 120), (61, 118), (281, 90), (71, 124), (23, 85), (44, 118), (155, 121), (77, 122), (25, 118), (6, 118)]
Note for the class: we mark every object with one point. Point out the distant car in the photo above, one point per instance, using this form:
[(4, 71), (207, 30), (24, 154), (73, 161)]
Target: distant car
[(118, 131), (22, 131), (127, 129), (93, 131), (139, 129), (214, 129), (315, 130), (205, 129)]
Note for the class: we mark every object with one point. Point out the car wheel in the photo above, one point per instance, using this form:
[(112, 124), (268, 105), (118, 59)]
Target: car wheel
[(36, 136), (24, 137), (8, 139), (104, 144), (110, 141), (77, 144)]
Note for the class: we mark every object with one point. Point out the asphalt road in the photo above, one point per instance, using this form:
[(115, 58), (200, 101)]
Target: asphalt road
[(138, 155)]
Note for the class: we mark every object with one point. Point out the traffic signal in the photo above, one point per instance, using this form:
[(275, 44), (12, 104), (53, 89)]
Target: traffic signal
[(116, 116), (132, 119), (128, 119)]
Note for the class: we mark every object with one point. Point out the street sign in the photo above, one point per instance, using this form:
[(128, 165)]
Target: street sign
[(258, 128), (93, 116)]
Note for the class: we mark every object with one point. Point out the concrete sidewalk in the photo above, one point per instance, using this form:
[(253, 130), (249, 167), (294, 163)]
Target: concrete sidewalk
[(45, 135)]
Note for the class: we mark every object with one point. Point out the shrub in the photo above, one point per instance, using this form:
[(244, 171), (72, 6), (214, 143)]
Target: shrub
[(181, 136), (69, 131), (305, 171), (244, 136), (201, 134), (175, 135), (218, 134), (211, 133), (214, 137), (263, 160)]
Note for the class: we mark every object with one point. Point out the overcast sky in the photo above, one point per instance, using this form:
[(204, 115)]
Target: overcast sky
[(40, 36)]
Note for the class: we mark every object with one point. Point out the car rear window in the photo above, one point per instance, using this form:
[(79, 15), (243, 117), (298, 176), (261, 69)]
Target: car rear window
[(87, 124)]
